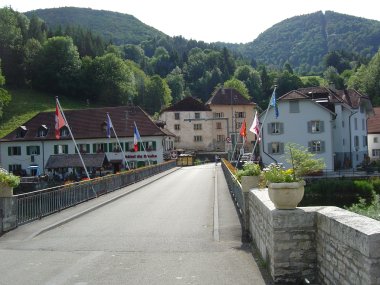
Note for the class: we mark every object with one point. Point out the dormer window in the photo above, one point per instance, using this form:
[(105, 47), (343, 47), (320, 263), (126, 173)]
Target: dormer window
[(64, 131), (42, 131), (21, 132)]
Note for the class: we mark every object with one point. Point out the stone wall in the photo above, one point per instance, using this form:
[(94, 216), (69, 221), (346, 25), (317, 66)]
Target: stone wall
[(326, 245), (8, 214)]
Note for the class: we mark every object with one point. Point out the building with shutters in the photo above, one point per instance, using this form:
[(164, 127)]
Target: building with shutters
[(374, 135), (331, 123), (27, 149)]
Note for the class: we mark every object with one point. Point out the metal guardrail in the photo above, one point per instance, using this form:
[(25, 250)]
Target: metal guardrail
[(234, 186), (37, 204)]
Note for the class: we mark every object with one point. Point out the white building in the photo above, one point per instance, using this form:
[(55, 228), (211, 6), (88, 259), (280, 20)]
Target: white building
[(374, 135), (28, 148), (329, 122)]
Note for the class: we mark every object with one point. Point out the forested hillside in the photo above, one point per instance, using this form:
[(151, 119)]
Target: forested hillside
[(115, 27), (304, 40)]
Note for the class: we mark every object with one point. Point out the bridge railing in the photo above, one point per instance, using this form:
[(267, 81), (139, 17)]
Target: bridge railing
[(37, 204)]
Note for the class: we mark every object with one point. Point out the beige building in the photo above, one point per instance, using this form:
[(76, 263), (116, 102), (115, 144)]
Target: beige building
[(213, 127)]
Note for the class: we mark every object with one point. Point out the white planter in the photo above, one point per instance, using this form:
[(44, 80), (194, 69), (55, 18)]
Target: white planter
[(286, 196), (5, 190), (249, 182)]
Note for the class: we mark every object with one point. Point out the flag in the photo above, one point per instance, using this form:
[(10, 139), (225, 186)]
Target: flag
[(273, 103), (109, 126), (255, 128), (59, 121), (136, 138), (243, 129)]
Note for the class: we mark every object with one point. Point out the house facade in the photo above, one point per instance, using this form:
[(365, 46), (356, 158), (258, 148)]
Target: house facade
[(329, 122), (213, 127), (27, 149), (374, 135)]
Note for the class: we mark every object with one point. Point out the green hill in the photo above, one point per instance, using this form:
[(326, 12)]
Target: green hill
[(117, 27), (26, 104), (304, 40)]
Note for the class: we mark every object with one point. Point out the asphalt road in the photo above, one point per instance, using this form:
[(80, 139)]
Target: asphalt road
[(166, 232)]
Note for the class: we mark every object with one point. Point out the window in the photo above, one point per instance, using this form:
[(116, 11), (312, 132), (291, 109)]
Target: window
[(177, 139), (238, 125), (150, 146), (99, 147), (315, 126), (275, 128), (62, 148), (197, 138), (14, 150), (294, 107), (177, 127), (14, 168), (220, 138), (365, 141), (219, 125), (375, 139), (356, 142), (276, 148), (376, 152), (42, 131), (197, 127), (239, 114), (64, 131), (176, 116), (218, 115), (83, 148), (316, 146), (33, 150), (21, 132), (356, 123), (197, 115)]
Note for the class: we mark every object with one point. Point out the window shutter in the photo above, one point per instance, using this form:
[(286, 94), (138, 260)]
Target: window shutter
[(322, 146), (65, 148), (270, 148), (9, 151), (281, 148), (88, 148), (154, 145), (105, 147), (126, 146), (321, 126), (94, 148), (309, 127), (281, 125), (38, 149), (55, 149), (28, 150), (110, 147)]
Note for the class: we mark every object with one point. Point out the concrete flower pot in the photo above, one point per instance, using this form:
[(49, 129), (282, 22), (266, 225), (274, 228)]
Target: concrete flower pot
[(249, 182), (286, 196), (5, 190)]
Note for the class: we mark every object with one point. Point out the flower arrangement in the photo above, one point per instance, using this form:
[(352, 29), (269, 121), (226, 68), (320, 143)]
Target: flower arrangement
[(8, 178), (249, 169), (302, 163)]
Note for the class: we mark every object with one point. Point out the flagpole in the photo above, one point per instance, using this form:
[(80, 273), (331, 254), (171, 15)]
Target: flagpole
[(117, 139), (72, 137), (265, 116), (146, 154)]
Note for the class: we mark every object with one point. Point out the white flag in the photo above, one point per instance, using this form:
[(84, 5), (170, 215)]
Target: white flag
[(255, 128)]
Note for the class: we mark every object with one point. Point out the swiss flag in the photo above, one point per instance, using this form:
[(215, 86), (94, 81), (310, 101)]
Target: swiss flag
[(59, 121)]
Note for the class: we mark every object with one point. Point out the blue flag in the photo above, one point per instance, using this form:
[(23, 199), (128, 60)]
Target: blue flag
[(109, 126), (274, 103)]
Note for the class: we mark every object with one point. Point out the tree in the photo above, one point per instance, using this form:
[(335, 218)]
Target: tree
[(237, 85), (252, 81), (5, 98), (56, 67), (157, 94), (176, 84), (332, 77), (287, 82)]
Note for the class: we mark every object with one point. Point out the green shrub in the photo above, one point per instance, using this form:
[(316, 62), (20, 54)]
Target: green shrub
[(249, 169), (371, 210)]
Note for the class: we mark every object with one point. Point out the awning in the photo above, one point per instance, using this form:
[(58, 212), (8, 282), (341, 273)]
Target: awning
[(96, 160)]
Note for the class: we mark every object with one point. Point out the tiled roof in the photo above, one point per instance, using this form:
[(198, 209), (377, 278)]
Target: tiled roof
[(374, 122), (90, 123), (187, 104), (228, 96), (72, 160), (348, 96)]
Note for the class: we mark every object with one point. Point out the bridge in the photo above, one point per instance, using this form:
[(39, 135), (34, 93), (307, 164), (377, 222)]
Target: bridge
[(185, 225)]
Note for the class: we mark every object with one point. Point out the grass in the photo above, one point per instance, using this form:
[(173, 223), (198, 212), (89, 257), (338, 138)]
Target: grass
[(27, 103)]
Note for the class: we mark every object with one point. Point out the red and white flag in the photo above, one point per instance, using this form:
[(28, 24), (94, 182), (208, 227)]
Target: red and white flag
[(255, 128), (59, 121)]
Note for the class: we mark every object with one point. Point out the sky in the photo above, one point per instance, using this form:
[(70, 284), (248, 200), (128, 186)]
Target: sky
[(232, 21)]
